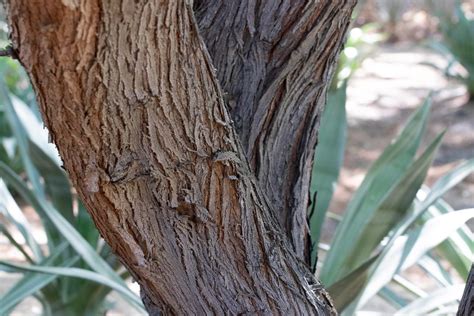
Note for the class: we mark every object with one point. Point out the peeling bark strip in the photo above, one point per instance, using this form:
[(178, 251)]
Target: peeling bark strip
[(131, 100), (275, 60)]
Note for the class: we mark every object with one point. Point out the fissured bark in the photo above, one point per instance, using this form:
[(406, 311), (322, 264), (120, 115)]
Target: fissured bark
[(132, 101)]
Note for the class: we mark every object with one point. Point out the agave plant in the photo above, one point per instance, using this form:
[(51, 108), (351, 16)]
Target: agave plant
[(359, 45), (75, 271), (458, 41), (391, 223)]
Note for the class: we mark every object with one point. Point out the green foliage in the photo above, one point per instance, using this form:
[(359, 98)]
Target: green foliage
[(330, 150), (12, 72), (380, 181), (74, 272), (424, 305), (328, 160), (458, 40), (392, 222)]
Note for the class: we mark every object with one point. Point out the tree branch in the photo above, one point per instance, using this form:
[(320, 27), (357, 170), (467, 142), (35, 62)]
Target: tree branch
[(274, 61), (8, 52)]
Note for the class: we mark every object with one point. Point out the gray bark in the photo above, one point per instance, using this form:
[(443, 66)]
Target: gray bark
[(132, 101), (275, 60), (466, 306)]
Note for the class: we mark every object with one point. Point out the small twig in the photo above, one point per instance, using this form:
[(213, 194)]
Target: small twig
[(8, 51)]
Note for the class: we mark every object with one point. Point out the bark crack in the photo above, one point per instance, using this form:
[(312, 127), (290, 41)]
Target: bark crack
[(131, 98)]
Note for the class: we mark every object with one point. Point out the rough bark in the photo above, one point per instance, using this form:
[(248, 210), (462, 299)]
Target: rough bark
[(274, 60), (131, 100), (466, 306)]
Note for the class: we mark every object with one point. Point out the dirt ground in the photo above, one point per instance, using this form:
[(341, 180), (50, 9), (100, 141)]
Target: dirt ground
[(381, 95)]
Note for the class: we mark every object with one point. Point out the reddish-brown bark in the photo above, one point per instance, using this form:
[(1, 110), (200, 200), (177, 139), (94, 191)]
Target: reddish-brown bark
[(131, 99)]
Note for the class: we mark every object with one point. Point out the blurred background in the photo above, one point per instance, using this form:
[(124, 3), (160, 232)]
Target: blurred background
[(392, 229)]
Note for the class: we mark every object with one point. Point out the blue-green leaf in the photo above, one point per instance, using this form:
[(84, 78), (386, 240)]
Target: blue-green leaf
[(80, 245), (406, 250), (437, 299), (377, 184), (78, 273), (21, 138), (394, 207), (12, 212), (329, 156), (31, 282)]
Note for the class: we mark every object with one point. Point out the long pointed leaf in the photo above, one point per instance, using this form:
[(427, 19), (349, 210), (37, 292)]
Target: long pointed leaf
[(408, 249), (437, 299), (80, 245), (434, 268), (10, 209), (409, 286), (446, 182), (329, 156), (79, 273), (15, 243), (85, 226), (380, 178), (56, 183), (31, 282), (439, 189), (21, 139), (458, 249), (392, 297), (34, 129), (45, 157), (392, 209), (344, 291)]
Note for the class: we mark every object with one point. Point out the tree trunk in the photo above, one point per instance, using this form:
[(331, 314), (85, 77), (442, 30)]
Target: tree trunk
[(131, 99), (466, 306), (275, 61)]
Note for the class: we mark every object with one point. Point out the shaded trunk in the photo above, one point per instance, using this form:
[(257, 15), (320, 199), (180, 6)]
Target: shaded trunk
[(466, 306), (130, 97), (275, 60)]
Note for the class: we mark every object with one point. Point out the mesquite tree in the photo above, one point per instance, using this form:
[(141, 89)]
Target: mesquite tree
[(188, 130)]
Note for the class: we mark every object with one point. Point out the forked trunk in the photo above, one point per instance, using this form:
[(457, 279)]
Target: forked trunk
[(132, 101)]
